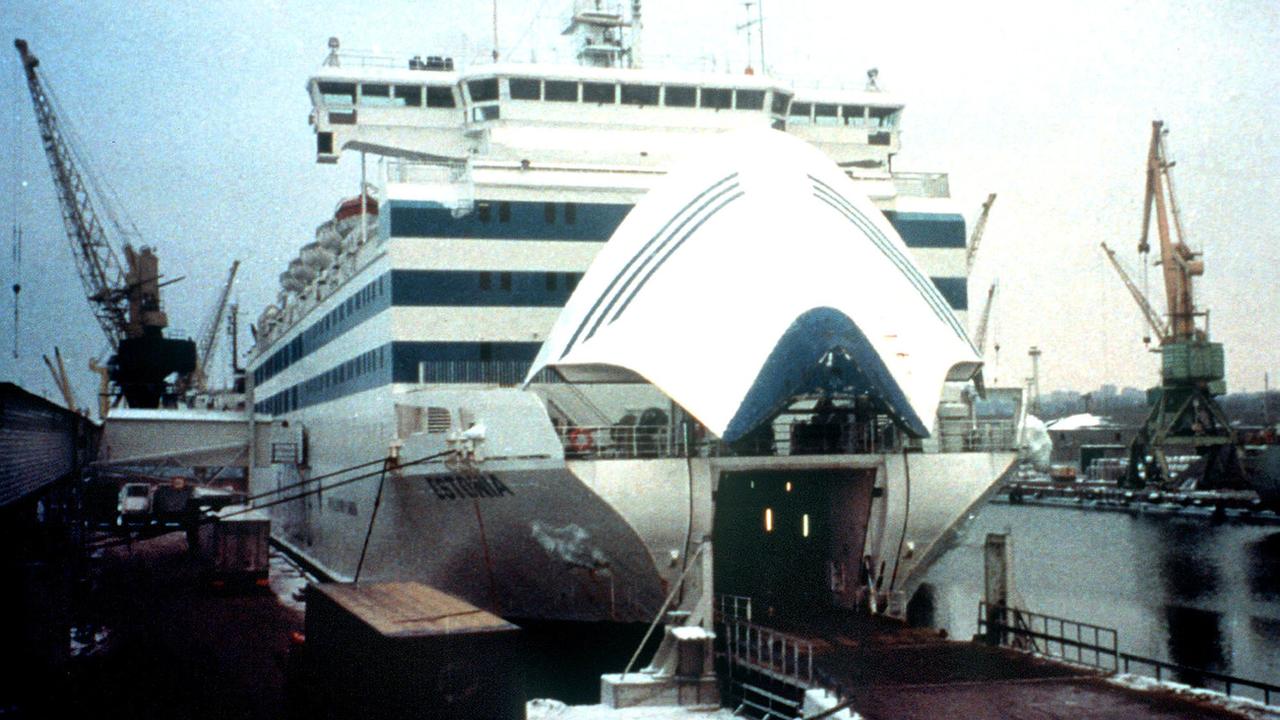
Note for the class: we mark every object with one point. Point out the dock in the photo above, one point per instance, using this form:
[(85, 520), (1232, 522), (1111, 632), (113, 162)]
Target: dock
[(173, 646)]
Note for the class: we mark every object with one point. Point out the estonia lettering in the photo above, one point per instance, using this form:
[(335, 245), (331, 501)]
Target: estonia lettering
[(459, 487)]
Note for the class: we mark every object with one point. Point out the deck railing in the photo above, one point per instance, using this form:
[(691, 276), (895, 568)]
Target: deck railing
[(1098, 647), (777, 654)]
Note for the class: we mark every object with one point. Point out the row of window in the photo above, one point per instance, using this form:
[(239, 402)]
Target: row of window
[(322, 331), (485, 212), (552, 280), (609, 93), (487, 90), (386, 95), (333, 379), (830, 114), (602, 93)]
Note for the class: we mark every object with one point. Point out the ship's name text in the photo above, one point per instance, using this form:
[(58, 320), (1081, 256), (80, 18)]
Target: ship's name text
[(459, 487)]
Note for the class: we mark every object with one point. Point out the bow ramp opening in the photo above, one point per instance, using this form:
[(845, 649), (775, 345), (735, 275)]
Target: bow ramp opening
[(792, 537)]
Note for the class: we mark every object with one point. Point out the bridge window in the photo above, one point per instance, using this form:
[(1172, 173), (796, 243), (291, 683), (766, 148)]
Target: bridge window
[(504, 280), (854, 115), (486, 281), (549, 212), (483, 90), (749, 100), (681, 96), (598, 92), (639, 94), (562, 91), (824, 114), (408, 95), (570, 213), (718, 98), (800, 114), (440, 97), (552, 281), (484, 112), (334, 93), (525, 89), (375, 94), (780, 102), (883, 117)]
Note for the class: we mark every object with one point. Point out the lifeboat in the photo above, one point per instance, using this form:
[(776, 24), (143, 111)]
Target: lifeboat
[(301, 272), (328, 238), (290, 283), (316, 257), (346, 219)]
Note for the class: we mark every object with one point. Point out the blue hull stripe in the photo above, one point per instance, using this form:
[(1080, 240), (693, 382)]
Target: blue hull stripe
[(469, 288), (928, 230), (592, 222), (596, 222), (504, 363)]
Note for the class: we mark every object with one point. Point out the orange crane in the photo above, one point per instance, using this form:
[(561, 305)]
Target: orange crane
[(125, 298), (1184, 418)]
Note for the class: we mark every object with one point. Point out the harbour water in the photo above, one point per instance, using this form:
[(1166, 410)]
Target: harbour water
[(1190, 591)]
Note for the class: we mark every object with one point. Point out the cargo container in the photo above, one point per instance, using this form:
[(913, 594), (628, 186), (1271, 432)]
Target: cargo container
[(405, 650), (234, 547)]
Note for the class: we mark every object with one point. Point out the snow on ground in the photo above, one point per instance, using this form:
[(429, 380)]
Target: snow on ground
[(287, 581), (1076, 422), (1244, 706), (543, 709)]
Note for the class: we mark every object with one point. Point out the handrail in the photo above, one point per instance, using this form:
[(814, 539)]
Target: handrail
[(734, 607), (770, 651), (1016, 628), (1183, 672)]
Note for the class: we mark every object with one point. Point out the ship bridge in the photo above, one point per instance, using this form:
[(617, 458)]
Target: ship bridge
[(535, 114)]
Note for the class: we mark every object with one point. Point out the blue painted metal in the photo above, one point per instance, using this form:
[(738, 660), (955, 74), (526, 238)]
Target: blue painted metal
[(793, 368)]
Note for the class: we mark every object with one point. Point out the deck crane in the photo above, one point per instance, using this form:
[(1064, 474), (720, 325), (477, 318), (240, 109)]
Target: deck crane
[(125, 298), (984, 322), (978, 228), (1184, 418), (211, 332)]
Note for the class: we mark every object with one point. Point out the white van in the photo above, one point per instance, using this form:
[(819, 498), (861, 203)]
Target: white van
[(135, 503)]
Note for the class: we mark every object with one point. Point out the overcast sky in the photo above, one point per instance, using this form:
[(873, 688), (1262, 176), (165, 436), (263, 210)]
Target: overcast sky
[(195, 114)]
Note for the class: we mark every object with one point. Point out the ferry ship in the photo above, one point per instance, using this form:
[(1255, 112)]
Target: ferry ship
[(784, 409)]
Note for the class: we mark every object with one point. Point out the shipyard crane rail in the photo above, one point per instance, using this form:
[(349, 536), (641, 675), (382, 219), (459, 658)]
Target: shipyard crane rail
[(979, 227), (101, 273)]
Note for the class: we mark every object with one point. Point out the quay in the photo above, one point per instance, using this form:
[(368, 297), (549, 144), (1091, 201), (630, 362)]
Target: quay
[(172, 646)]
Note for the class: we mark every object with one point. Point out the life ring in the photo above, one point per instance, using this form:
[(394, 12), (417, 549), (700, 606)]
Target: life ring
[(581, 441)]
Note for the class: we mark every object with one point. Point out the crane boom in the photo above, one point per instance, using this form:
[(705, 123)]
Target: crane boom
[(101, 273), (1153, 318), (978, 228), (1178, 262), (125, 299), (209, 337), (980, 334)]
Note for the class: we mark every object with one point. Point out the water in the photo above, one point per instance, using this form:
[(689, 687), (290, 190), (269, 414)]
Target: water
[(1185, 590)]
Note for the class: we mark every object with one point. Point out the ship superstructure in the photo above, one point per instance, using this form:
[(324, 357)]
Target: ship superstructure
[(409, 328)]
